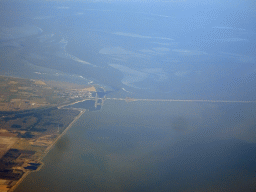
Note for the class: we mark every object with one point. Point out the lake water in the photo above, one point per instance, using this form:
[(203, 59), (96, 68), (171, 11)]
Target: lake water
[(153, 146)]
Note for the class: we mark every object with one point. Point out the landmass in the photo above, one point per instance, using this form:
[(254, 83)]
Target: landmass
[(33, 117)]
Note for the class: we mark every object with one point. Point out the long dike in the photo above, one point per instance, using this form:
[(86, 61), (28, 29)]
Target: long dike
[(178, 100), (47, 151)]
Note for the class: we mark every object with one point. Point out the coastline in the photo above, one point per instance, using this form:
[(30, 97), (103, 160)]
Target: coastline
[(63, 133), (47, 151), (73, 103)]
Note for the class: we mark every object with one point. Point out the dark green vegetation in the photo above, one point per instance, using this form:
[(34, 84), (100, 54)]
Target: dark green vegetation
[(13, 158), (26, 136), (29, 124)]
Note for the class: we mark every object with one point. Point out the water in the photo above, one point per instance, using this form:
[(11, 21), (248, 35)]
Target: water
[(153, 146), (156, 49), (175, 50)]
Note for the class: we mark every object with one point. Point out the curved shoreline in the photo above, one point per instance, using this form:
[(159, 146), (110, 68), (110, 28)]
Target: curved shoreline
[(46, 152)]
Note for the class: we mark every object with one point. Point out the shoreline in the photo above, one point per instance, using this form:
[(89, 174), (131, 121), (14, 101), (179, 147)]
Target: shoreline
[(47, 151), (60, 107), (63, 133)]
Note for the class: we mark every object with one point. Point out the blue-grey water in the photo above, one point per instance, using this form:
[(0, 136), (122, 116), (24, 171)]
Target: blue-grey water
[(154, 146), (158, 49), (161, 49)]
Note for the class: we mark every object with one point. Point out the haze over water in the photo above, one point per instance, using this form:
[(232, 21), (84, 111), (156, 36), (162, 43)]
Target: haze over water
[(154, 146), (193, 50), (176, 50)]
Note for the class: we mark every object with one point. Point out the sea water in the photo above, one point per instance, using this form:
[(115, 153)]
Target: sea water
[(153, 146), (157, 49)]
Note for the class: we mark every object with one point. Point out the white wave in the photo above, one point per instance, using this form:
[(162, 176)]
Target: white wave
[(167, 16), (240, 57), (62, 7), (114, 51), (41, 30), (157, 73), (181, 73), (64, 54), (164, 38), (148, 51), (165, 44), (43, 17), (39, 73), (231, 40), (36, 56), (126, 90), (81, 61), (161, 49), (156, 15), (8, 33), (120, 53), (132, 35), (189, 52), (140, 36), (45, 38), (74, 58), (63, 44), (228, 28), (51, 72), (130, 75), (99, 10)]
